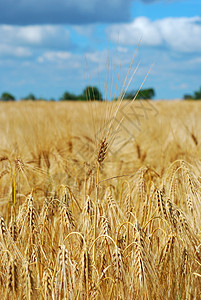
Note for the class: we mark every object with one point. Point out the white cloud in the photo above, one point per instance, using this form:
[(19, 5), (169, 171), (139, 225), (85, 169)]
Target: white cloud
[(26, 34), (54, 56), (122, 49), (86, 30), (98, 57), (6, 50), (22, 40), (180, 34), (195, 60), (183, 86), (131, 33), (36, 34)]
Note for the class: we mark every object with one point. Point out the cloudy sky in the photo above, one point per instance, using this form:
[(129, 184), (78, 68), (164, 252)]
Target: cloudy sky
[(51, 46)]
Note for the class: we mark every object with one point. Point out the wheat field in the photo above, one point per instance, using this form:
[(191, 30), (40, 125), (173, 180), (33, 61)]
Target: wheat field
[(100, 200)]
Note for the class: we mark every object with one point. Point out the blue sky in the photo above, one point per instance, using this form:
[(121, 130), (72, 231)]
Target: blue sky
[(48, 46)]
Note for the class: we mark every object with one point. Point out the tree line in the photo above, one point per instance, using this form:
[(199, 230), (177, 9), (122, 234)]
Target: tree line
[(196, 95), (93, 93), (89, 93)]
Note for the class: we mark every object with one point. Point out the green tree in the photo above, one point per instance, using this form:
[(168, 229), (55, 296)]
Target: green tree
[(68, 96), (142, 94), (91, 93), (188, 97), (30, 97), (197, 94), (7, 97)]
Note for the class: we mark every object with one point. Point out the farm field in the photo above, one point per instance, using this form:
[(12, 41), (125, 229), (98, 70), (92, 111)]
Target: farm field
[(100, 200)]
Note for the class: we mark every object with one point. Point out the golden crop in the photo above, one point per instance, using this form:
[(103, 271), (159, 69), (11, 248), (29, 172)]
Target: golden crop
[(100, 200)]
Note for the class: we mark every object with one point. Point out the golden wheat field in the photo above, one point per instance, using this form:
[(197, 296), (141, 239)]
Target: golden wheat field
[(100, 200)]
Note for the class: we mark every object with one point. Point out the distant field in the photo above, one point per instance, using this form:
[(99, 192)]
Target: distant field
[(100, 200)]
